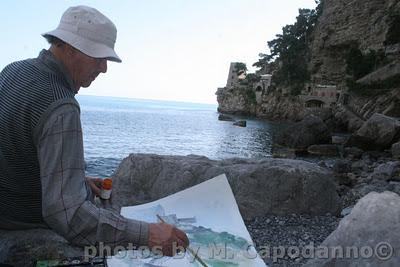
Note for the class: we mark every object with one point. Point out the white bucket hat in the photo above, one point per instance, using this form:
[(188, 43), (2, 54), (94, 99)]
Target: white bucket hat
[(89, 31)]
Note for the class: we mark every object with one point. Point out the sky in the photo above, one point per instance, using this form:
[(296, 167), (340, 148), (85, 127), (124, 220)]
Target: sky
[(176, 50)]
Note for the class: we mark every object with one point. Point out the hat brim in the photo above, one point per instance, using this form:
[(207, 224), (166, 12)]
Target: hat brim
[(86, 46)]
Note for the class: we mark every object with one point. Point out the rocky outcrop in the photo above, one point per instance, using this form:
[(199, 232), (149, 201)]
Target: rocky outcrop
[(310, 131), (21, 248), (386, 72), (372, 230), (265, 186), (386, 103), (363, 23), (278, 107), (235, 101), (379, 133), (272, 106)]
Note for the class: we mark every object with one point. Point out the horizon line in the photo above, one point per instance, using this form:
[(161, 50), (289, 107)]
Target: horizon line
[(149, 99)]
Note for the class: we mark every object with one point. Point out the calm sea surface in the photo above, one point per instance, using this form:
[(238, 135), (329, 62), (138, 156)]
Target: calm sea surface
[(115, 127)]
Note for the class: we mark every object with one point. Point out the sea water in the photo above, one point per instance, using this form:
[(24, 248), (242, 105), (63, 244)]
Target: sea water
[(115, 127)]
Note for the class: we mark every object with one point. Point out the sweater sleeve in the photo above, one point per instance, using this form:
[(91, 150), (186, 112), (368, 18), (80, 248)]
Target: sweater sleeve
[(65, 200)]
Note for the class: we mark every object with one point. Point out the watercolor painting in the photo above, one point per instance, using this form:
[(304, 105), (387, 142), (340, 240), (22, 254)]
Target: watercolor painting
[(209, 215)]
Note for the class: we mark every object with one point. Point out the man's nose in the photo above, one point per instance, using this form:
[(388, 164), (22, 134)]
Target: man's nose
[(103, 65)]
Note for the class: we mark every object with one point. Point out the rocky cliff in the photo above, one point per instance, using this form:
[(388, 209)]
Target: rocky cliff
[(343, 25), (271, 106), (235, 101), (387, 103), (278, 107)]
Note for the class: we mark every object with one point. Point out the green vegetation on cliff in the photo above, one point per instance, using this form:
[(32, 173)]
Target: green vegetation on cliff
[(359, 64), (290, 52)]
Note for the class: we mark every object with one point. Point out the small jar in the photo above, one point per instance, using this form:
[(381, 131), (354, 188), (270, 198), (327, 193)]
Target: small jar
[(106, 188)]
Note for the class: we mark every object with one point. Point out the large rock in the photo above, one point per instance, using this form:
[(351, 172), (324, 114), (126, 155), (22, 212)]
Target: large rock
[(310, 131), (21, 248), (263, 186), (372, 230), (377, 133)]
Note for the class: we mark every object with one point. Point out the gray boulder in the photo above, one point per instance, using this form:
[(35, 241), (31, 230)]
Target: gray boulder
[(372, 230), (310, 131), (263, 186), (377, 133), (396, 150), (21, 248)]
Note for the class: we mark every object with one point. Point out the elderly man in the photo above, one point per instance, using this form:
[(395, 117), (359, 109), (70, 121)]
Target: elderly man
[(42, 178)]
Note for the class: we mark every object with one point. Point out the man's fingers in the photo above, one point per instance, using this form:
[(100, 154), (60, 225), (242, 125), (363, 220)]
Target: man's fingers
[(181, 236), (167, 236), (95, 184)]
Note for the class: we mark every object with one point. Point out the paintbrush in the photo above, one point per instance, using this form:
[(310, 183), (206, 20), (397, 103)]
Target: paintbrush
[(188, 248)]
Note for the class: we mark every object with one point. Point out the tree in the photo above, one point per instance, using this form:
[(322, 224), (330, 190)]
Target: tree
[(253, 78), (239, 67), (291, 50)]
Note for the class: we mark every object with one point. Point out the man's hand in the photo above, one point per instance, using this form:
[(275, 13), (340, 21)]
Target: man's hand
[(165, 235), (95, 184)]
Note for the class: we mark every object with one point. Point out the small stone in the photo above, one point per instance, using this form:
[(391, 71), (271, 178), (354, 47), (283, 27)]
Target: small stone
[(346, 211), (305, 236), (240, 123)]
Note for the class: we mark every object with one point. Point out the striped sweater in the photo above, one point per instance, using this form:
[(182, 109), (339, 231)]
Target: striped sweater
[(27, 89)]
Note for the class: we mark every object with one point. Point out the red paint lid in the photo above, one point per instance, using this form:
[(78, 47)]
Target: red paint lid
[(107, 184)]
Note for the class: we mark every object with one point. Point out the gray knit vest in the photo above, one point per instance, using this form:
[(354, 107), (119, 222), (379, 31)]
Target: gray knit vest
[(27, 89)]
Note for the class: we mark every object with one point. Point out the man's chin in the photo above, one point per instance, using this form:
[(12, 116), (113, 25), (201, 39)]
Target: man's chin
[(86, 85)]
